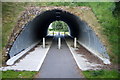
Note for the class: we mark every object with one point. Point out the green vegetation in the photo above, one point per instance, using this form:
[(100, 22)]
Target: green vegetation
[(101, 74), (10, 14), (109, 23), (60, 26), (18, 74)]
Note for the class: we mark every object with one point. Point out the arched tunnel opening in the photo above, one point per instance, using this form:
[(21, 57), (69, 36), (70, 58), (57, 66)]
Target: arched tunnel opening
[(36, 29), (43, 21), (58, 27)]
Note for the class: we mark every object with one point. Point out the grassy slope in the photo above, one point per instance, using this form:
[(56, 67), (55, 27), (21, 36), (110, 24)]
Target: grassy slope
[(0, 25), (18, 74), (10, 13), (101, 74), (109, 23)]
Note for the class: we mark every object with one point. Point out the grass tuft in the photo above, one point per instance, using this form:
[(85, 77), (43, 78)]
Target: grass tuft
[(101, 74), (18, 74)]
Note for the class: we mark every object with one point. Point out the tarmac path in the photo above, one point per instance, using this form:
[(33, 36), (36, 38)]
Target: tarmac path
[(59, 63)]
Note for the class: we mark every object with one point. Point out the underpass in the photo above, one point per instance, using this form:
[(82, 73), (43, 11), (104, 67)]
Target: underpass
[(35, 30)]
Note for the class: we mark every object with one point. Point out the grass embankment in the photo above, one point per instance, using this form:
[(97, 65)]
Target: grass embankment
[(0, 36), (109, 23), (10, 14), (101, 74), (18, 74)]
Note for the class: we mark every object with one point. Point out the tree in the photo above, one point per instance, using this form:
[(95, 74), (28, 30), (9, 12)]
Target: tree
[(116, 11), (60, 26)]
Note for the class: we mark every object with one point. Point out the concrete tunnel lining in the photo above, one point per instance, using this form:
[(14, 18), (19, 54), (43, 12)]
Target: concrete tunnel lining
[(37, 28)]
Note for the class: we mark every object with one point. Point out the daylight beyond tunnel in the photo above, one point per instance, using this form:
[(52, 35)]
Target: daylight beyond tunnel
[(38, 28), (43, 21)]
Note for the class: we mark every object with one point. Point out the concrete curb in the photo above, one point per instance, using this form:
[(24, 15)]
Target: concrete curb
[(39, 66), (26, 64), (84, 65), (105, 60), (12, 60), (73, 54)]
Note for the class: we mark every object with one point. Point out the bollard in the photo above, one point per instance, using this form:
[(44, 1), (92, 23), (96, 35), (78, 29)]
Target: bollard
[(43, 42), (59, 43), (75, 42)]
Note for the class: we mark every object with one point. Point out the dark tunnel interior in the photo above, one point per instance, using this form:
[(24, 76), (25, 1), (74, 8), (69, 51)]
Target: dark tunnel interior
[(43, 21)]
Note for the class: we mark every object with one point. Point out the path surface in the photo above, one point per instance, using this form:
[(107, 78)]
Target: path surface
[(59, 63)]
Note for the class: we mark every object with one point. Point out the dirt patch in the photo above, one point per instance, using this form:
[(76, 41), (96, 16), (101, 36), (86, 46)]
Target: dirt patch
[(86, 54), (93, 59)]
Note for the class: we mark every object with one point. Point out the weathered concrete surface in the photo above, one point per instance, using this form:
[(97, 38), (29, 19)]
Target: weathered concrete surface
[(33, 60), (59, 63), (81, 57)]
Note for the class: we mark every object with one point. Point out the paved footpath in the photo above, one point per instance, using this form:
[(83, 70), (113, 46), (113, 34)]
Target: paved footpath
[(59, 63)]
